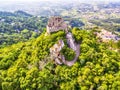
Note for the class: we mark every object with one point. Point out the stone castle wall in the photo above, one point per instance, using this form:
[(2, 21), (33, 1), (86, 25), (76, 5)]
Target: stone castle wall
[(55, 24)]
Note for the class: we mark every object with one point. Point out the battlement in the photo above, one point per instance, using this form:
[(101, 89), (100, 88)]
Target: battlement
[(55, 24)]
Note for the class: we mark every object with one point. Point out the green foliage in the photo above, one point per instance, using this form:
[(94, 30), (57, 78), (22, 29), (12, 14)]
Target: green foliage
[(68, 53), (22, 68), (19, 26)]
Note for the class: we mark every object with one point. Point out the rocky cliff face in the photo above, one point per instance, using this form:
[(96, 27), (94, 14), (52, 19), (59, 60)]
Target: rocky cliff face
[(55, 51), (56, 48), (70, 41)]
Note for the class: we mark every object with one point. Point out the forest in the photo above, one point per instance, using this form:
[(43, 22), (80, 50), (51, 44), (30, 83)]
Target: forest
[(19, 27), (28, 66)]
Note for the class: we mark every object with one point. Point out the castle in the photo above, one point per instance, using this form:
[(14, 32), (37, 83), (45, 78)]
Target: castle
[(55, 24)]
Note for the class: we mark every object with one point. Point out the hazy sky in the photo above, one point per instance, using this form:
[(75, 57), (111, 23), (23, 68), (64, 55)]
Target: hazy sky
[(51, 0), (4, 2), (28, 5)]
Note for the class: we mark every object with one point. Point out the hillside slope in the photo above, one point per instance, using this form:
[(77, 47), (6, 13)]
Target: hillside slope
[(28, 66)]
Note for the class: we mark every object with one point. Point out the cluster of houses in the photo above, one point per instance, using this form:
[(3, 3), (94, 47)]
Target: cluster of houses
[(106, 36)]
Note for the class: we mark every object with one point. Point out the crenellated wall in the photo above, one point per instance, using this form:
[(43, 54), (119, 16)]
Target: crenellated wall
[(56, 23)]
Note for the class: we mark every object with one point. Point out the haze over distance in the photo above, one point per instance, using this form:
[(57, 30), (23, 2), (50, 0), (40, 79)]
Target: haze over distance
[(31, 6)]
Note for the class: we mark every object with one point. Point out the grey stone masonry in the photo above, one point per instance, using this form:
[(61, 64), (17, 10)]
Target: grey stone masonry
[(55, 24)]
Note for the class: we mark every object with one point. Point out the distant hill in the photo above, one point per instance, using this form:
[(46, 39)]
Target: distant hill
[(4, 14), (16, 13), (22, 13)]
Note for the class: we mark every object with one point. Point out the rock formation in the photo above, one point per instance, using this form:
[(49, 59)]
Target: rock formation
[(70, 41), (55, 51)]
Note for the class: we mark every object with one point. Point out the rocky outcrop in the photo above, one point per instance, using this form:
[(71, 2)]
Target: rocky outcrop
[(70, 41), (56, 48), (55, 51)]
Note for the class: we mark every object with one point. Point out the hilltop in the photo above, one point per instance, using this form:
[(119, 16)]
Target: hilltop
[(28, 66), (78, 48)]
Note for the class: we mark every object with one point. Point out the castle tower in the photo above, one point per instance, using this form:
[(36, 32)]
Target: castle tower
[(55, 24)]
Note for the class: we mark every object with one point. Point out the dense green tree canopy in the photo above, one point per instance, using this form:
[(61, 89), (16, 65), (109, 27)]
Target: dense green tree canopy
[(14, 25), (27, 66)]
